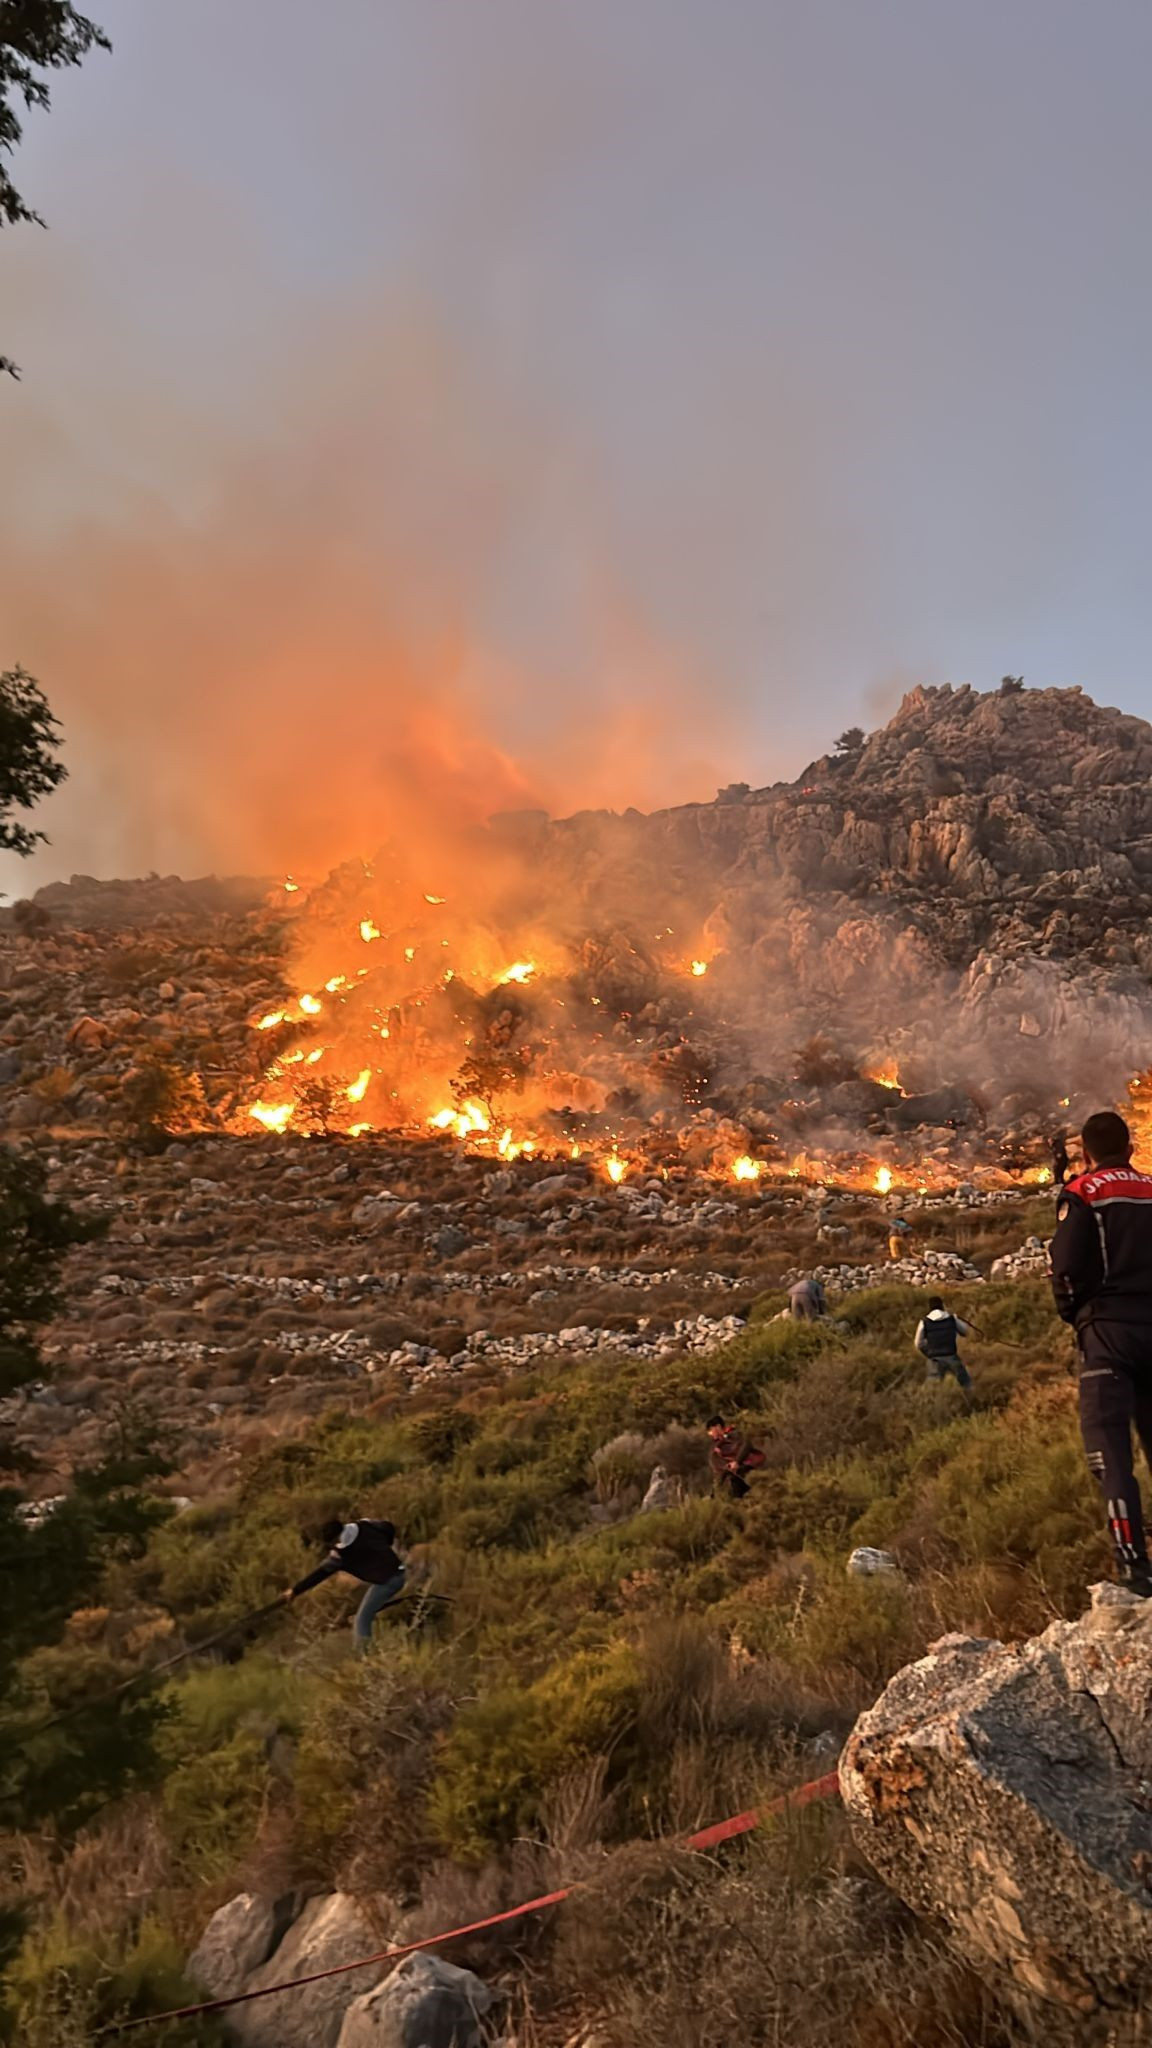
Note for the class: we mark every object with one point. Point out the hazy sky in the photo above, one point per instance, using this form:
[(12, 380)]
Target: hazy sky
[(614, 398)]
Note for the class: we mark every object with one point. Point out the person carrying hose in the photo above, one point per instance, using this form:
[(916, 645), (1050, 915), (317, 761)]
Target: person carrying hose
[(364, 1550), (1100, 1261)]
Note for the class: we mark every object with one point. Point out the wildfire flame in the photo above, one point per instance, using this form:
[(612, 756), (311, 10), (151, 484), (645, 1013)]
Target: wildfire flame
[(359, 1088), (273, 1116), (883, 1180), (368, 931), (273, 1018), (888, 1076), (699, 967), (616, 1168), (311, 1005), (745, 1168), (520, 970), (472, 1117)]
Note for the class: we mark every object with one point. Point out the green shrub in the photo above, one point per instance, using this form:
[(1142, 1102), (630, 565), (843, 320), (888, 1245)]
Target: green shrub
[(61, 1988)]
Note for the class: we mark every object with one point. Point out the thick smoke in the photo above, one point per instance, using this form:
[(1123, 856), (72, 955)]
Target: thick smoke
[(341, 632)]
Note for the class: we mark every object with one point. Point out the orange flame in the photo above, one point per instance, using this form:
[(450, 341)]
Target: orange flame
[(359, 1088), (311, 1005), (616, 1168), (368, 931), (699, 967), (888, 1076), (520, 970), (745, 1168), (273, 1116), (883, 1180), (273, 1018)]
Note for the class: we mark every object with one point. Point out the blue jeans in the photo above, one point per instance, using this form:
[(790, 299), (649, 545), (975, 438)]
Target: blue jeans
[(375, 1598)]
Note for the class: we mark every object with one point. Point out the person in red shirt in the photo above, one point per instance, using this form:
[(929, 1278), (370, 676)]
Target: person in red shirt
[(1101, 1266), (732, 1458)]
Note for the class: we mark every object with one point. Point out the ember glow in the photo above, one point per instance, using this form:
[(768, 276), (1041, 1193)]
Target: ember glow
[(274, 1117), (887, 1075), (699, 967)]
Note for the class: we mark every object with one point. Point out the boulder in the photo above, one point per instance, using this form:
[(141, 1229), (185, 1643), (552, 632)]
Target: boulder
[(235, 1942), (331, 1930), (1007, 1788), (662, 1492), (451, 1240), (88, 1035), (867, 1563), (425, 2003)]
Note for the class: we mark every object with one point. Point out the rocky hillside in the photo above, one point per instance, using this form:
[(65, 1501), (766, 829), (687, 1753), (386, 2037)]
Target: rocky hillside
[(960, 901), (979, 842)]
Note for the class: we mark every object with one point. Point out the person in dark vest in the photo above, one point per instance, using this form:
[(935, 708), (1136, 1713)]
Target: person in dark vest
[(1060, 1159), (364, 1550), (936, 1340), (1101, 1265)]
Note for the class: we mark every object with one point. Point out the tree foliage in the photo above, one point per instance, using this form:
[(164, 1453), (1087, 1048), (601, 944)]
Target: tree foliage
[(35, 1235), (850, 742), (36, 37), (29, 770)]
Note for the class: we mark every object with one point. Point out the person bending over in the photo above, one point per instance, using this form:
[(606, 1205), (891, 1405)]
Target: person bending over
[(733, 1457), (364, 1550)]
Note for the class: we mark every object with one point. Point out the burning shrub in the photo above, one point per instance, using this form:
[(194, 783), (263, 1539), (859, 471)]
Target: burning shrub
[(319, 1100)]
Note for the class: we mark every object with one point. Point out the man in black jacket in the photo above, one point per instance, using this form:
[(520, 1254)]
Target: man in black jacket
[(365, 1551), (1101, 1265)]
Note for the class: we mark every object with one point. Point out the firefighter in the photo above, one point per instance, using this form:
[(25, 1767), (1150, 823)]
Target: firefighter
[(899, 1238), (1101, 1266), (936, 1340), (1060, 1159), (732, 1458), (365, 1550)]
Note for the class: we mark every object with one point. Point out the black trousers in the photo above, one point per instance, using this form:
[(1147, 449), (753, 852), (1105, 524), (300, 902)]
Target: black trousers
[(1115, 1398)]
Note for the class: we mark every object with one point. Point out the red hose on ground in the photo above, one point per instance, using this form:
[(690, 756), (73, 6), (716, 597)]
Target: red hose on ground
[(708, 1838)]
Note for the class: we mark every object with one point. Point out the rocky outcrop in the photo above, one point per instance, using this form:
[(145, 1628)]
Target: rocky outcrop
[(237, 1940), (331, 1930), (253, 1943), (425, 2003), (1007, 1788)]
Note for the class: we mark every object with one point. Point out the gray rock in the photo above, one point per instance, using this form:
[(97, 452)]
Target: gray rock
[(451, 1240), (425, 2003), (661, 1492), (235, 1942), (1008, 1790), (867, 1563), (331, 1930)]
